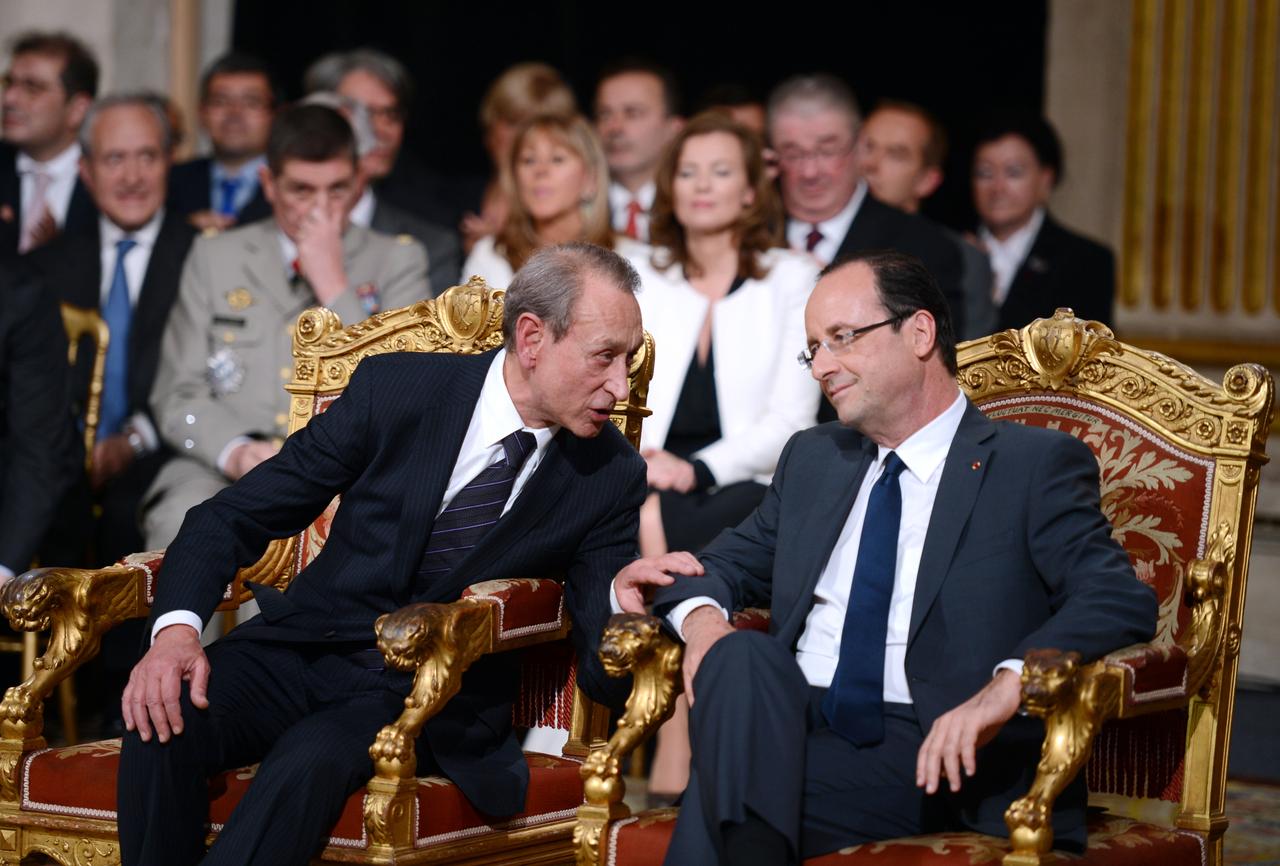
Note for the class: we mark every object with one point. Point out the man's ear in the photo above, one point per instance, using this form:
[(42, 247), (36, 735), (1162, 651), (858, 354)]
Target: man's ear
[(78, 107), (267, 181), (531, 333), (928, 182), (924, 333)]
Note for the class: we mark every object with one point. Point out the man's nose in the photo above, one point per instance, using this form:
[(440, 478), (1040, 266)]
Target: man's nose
[(824, 363), (618, 384)]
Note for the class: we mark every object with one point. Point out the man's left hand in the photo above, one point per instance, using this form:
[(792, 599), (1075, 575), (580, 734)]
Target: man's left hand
[(635, 583), (955, 737), (111, 456)]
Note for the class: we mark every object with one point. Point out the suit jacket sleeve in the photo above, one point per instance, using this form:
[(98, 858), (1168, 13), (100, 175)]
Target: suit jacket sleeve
[(181, 385), (278, 498), (39, 462), (609, 546), (1099, 604), (739, 562)]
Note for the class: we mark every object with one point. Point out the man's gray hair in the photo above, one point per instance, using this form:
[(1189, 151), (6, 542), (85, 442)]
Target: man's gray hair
[(808, 94), (327, 73), (148, 101), (356, 113), (551, 281)]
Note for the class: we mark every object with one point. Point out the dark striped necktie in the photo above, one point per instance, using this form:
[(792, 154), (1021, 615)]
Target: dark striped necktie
[(475, 509)]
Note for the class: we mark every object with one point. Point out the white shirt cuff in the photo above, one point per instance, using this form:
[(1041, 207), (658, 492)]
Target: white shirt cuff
[(225, 454), (688, 606), (176, 617), (614, 607), (1014, 665)]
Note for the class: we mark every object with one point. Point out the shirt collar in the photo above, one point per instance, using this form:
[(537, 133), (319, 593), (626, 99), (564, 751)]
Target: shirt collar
[(61, 165), (837, 226), (111, 234), (497, 412), (1016, 246), (246, 172), (288, 252), (362, 213), (924, 451), (620, 196)]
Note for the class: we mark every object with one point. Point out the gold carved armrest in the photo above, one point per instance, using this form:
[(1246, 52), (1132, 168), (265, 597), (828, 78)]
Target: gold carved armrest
[(1074, 700), (634, 644), (438, 642)]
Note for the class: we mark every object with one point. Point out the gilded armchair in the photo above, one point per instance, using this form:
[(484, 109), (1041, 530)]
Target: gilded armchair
[(1149, 725), (60, 802)]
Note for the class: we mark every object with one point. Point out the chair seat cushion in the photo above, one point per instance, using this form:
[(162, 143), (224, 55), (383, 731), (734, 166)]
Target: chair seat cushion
[(80, 782), (642, 840)]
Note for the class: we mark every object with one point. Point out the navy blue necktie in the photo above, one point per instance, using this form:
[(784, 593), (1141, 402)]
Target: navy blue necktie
[(117, 314), (228, 186), (854, 705), (475, 509)]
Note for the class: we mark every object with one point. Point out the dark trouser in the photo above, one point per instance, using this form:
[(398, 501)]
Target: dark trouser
[(308, 717), (762, 751)]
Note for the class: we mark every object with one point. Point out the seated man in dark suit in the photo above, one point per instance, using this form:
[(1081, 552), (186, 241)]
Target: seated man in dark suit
[(301, 687), (51, 81), (237, 102), (38, 452), (127, 266), (911, 554), (1038, 264), (813, 127)]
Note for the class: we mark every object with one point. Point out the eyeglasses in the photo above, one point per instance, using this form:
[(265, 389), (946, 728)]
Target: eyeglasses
[(841, 341), (825, 155)]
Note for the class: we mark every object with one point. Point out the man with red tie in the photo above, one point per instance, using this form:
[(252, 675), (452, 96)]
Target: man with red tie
[(637, 114)]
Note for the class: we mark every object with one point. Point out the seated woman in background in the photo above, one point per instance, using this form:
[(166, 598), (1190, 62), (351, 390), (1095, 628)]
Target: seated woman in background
[(725, 304), (555, 188), (521, 92)]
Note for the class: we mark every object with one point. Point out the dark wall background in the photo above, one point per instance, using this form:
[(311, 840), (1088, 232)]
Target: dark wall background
[(959, 59)]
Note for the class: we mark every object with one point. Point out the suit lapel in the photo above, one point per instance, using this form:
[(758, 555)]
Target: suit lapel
[(962, 475), (434, 453), (85, 253), (828, 506), (264, 269)]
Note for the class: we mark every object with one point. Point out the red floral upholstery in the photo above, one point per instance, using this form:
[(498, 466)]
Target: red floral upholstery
[(524, 606), (54, 783), (1157, 498), (642, 840)]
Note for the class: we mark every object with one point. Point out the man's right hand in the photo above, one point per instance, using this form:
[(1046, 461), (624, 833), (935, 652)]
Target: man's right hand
[(244, 457), (635, 583), (702, 627), (150, 700)]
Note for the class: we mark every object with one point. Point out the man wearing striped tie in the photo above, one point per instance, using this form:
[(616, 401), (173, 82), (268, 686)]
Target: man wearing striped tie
[(452, 469)]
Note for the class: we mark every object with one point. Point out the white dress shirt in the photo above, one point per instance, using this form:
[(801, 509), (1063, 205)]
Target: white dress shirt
[(620, 198), (1008, 255), (833, 230), (924, 454), (63, 170), (362, 213), (135, 272), (494, 418)]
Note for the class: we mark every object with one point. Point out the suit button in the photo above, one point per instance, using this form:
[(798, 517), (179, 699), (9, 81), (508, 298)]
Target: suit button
[(228, 337), (282, 419), (285, 373)]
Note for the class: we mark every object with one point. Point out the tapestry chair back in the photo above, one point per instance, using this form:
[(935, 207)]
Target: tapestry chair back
[(1179, 458)]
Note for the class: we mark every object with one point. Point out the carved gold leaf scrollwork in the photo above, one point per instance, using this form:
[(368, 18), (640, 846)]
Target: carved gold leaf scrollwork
[(77, 606), (633, 644), (76, 852), (9, 775), (1073, 701), (440, 642)]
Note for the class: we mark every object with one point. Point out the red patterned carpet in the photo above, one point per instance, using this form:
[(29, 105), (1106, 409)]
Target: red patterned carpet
[(1254, 834)]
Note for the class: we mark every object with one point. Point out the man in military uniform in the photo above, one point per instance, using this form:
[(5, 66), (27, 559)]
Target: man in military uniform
[(218, 396)]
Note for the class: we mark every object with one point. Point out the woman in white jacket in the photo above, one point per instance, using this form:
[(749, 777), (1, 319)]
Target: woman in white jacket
[(726, 309)]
